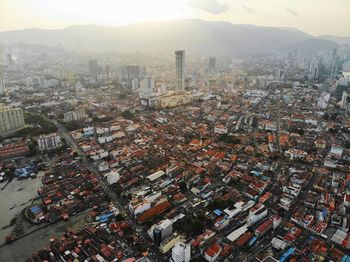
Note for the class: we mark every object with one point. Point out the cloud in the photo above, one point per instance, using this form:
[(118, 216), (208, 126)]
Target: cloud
[(292, 12), (210, 6), (249, 10)]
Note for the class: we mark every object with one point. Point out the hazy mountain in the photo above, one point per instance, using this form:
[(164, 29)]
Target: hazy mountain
[(338, 39), (196, 36), (313, 45)]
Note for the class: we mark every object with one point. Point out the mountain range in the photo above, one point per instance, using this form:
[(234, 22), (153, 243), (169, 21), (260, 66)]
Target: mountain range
[(196, 36)]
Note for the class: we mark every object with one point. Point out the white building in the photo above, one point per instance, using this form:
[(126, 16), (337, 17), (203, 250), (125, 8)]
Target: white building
[(162, 230), (147, 86), (48, 142), (345, 101), (11, 119), (180, 70), (181, 252), (75, 115)]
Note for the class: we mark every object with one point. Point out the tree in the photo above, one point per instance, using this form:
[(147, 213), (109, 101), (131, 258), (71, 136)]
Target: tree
[(127, 114)]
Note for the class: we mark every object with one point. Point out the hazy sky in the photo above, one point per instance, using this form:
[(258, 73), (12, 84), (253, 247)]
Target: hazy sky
[(312, 16)]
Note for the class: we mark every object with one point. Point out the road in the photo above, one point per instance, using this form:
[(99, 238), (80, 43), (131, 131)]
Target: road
[(114, 199)]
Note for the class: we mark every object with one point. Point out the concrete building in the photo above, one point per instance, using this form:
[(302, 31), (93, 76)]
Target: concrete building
[(2, 85), (345, 101), (93, 70), (9, 59), (48, 142), (181, 252), (180, 70), (212, 63), (169, 243), (131, 75), (36, 81), (314, 70), (11, 119), (162, 230), (172, 100), (147, 86), (77, 115)]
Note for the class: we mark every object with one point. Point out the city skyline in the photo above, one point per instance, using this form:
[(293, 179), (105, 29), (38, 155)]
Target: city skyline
[(296, 14)]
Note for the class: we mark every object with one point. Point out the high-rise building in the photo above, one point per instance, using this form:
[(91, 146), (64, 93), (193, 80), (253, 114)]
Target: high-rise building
[(181, 252), (2, 85), (314, 70), (162, 230), (48, 142), (180, 70), (131, 72), (334, 66), (11, 119), (77, 115), (147, 86), (93, 69), (9, 59), (212, 63)]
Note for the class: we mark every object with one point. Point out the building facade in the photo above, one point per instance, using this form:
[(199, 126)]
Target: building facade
[(48, 142), (93, 70), (77, 115), (11, 120), (181, 252), (2, 84), (180, 70)]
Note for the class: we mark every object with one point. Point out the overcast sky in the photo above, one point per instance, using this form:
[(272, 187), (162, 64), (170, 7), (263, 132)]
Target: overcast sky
[(316, 17)]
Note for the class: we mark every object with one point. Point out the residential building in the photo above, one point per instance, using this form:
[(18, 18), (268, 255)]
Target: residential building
[(9, 59), (11, 119), (2, 84), (147, 86), (77, 115), (48, 142), (213, 252), (93, 70), (181, 252)]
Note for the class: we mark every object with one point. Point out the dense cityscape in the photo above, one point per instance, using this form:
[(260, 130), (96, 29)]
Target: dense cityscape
[(176, 156)]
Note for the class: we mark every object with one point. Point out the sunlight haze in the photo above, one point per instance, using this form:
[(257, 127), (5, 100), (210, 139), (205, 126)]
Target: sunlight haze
[(316, 17)]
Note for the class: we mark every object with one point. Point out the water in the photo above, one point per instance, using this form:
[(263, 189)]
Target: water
[(14, 198)]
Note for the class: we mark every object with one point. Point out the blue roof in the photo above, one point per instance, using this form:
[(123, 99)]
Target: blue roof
[(35, 209), (286, 254), (218, 212), (105, 216), (252, 241)]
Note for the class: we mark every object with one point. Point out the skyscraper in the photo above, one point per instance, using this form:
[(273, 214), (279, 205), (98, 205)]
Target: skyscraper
[(180, 70), (93, 67), (147, 86), (9, 59), (2, 84), (212, 63)]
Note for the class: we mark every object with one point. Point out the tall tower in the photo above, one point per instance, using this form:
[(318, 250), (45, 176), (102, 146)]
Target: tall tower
[(147, 86), (93, 67), (180, 70), (9, 59), (2, 84), (212, 63)]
